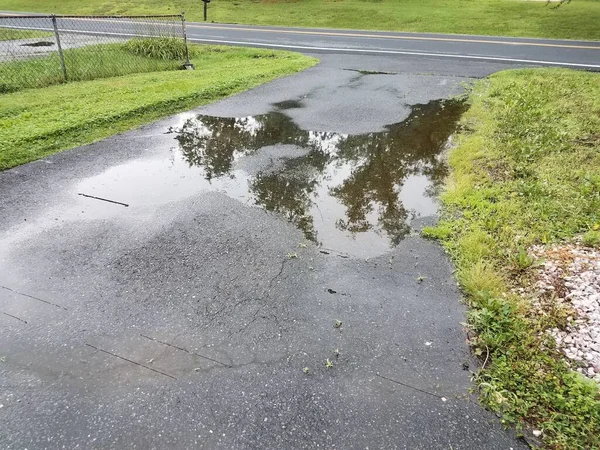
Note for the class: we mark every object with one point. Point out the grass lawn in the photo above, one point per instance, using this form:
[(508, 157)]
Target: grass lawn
[(87, 63), (577, 20), (526, 170), (38, 122), (8, 34)]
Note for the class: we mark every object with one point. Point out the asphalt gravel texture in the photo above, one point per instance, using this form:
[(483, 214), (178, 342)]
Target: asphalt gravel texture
[(187, 316)]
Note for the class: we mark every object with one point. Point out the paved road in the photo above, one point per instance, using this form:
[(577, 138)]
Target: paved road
[(453, 47), (244, 248)]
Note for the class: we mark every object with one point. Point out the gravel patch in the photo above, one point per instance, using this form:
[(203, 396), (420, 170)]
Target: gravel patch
[(570, 276)]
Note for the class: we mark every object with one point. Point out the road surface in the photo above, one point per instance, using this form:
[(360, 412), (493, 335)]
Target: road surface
[(582, 54), (249, 275)]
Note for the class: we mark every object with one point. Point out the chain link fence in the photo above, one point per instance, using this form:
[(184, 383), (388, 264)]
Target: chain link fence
[(38, 51)]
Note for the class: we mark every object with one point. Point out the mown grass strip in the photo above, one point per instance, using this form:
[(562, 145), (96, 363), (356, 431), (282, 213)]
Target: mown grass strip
[(9, 34), (526, 170), (577, 20), (38, 122)]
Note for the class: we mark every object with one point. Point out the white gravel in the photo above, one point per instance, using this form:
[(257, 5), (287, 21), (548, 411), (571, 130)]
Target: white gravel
[(571, 275)]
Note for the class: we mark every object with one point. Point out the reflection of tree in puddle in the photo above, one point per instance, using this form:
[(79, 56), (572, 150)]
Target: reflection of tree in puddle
[(213, 142), (387, 159), (381, 162)]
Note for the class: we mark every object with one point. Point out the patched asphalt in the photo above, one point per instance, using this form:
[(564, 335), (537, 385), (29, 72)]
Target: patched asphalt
[(198, 308)]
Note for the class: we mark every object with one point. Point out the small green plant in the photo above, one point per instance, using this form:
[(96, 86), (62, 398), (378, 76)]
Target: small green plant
[(591, 239), (306, 370), (441, 231), (522, 260), (292, 255), (336, 352), (492, 224), (420, 279), (301, 245), (328, 364), (337, 324)]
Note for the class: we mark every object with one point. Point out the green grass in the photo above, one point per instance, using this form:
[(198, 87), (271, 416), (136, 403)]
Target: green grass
[(591, 239), (9, 34), (38, 122), (87, 63), (577, 20), (526, 170)]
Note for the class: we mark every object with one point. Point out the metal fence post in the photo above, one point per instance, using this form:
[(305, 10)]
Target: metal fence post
[(60, 51), (187, 65)]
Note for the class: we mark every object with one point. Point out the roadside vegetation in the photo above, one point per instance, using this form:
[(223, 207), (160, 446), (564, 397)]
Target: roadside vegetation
[(577, 20), (95, 61), (38, 122), (525, 171), (9, 34)]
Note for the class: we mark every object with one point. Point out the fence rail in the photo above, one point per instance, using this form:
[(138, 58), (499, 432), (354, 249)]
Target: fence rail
[(41, 50)]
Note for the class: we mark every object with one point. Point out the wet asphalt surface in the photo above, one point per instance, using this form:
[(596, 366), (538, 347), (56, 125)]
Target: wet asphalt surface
[(257, 281)]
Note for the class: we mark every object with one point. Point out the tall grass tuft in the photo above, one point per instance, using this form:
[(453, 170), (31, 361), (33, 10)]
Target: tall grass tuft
[(167, 48)]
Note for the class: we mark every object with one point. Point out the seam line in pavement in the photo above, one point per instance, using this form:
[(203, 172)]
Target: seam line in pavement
[(34, 298), (14, 317), (130, 361), (104, 199), (184, 350)]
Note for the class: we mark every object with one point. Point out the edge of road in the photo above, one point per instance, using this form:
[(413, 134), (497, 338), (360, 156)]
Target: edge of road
[(360, 34), (493, 39)]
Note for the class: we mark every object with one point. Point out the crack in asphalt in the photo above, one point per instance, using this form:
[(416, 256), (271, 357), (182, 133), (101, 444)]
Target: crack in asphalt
[(411, 387)]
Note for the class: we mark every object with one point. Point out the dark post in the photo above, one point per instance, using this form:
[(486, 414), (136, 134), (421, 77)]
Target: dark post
[(60, 51), (187, 65), (206, 2)]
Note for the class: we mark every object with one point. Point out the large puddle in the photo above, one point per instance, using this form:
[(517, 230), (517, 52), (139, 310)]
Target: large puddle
[(356, 194)]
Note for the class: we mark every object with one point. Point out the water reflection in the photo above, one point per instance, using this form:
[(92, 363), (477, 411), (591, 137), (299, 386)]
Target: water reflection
[(355, 182)]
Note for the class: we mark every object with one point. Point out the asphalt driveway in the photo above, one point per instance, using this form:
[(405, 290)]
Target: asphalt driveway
[(247, 275)]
